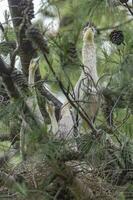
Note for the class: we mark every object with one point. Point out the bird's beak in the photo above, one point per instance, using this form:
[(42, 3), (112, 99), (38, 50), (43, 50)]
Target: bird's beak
[(37, 59)]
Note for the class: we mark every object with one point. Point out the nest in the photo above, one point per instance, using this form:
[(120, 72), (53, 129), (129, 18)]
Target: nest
[(57, 180)]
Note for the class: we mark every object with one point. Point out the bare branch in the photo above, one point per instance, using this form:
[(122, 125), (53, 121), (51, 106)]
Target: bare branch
[(114, 27)]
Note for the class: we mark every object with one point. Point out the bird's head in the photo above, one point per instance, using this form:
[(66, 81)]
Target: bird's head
[(50, 108), (88, 33), (34, 64)]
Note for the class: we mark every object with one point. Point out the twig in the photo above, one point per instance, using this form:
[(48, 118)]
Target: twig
[(114, 27), (129, 9), (13, 57)]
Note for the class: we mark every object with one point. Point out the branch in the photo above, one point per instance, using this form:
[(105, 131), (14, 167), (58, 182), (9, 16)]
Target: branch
[(114, 27), (13, 57), (129, 9)]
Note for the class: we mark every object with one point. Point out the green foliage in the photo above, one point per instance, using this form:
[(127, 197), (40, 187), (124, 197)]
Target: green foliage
[(115, 70)]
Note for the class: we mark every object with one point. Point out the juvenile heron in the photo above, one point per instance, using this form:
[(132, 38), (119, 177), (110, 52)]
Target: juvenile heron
[(50, 107), (85, 90), (33, 105), (32, 101)]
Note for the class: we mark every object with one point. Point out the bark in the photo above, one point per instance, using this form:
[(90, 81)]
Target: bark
[(26, 50), (13, 91)]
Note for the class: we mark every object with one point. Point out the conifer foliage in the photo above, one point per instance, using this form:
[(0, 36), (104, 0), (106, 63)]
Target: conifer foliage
[(66, 100)]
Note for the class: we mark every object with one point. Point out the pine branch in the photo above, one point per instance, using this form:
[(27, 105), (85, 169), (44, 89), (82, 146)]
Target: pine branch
[(114, 27), (129, 9)]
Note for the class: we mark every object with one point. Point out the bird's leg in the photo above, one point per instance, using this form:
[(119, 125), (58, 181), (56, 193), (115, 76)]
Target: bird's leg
[(51, 111)]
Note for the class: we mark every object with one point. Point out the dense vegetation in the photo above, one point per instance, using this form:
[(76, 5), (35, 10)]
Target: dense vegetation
[(41, 156)]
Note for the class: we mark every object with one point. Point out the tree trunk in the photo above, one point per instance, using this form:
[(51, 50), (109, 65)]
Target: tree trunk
[(26, 50)]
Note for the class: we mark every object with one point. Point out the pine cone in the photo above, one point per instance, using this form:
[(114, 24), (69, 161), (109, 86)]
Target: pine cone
[(31, 10), (20, 80), (23, 4), (116, 37), (27, 7), (72, 52), (34, 35), (108, 112), (4, 98)]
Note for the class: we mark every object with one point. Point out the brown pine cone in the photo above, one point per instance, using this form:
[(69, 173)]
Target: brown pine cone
[(116, 37), (34, 35)]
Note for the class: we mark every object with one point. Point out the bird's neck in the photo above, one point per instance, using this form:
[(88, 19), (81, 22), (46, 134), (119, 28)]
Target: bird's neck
[(89, 60), (31, 79)]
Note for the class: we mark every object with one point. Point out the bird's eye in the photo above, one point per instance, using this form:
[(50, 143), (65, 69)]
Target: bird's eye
[(94, 30)]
